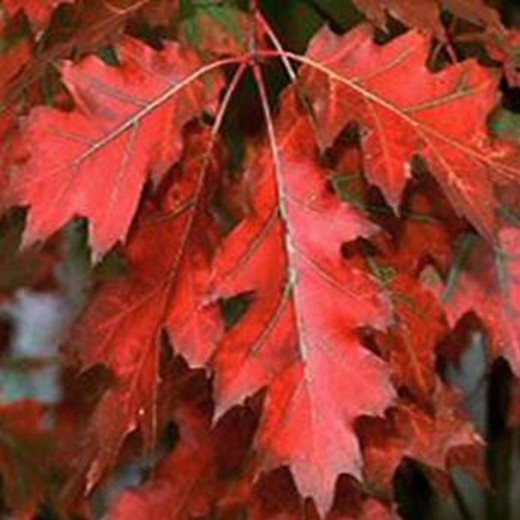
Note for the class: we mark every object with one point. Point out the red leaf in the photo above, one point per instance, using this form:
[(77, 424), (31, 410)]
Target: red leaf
[(410, 343), (122, 326), (276, 498), (299, 337), (425, 437), (223, 31), (425, 234), (202, 474), (126, 127), (487, 282), (440, 116), (311, 302), (425, 14), (160, 12), (429, 439)]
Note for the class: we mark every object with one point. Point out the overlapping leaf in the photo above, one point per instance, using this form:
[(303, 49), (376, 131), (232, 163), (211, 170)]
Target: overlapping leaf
[(126, 127), (487, 283), (121, 328), (299, 337), (13, 60), (334, 306), (204, 472), (441, 117), (38, 12), (425, 14), (23, 437), (426, 437), (410, 344)]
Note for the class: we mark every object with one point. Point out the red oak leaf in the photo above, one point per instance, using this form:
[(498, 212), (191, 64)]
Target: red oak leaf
[(416, 13), (429, 439), (487, 282), (371, 510), (276, 498), (168, 256), (299, 336), (425, 233), (126, 127), (98, 24), (506, 49), (474, 11), (425, 437), (425, 14), (514, 407), (410, 343), (160, 12), (277, 303), (12, 61), (201, 475), (441, 116)]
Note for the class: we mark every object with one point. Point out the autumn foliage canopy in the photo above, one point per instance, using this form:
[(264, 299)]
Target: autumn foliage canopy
[(288, 239)]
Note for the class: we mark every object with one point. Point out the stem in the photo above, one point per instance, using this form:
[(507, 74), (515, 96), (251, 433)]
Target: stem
[(290, 247), (291, 72)]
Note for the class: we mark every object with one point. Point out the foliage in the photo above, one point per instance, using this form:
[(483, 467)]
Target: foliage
[(297, 220)]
